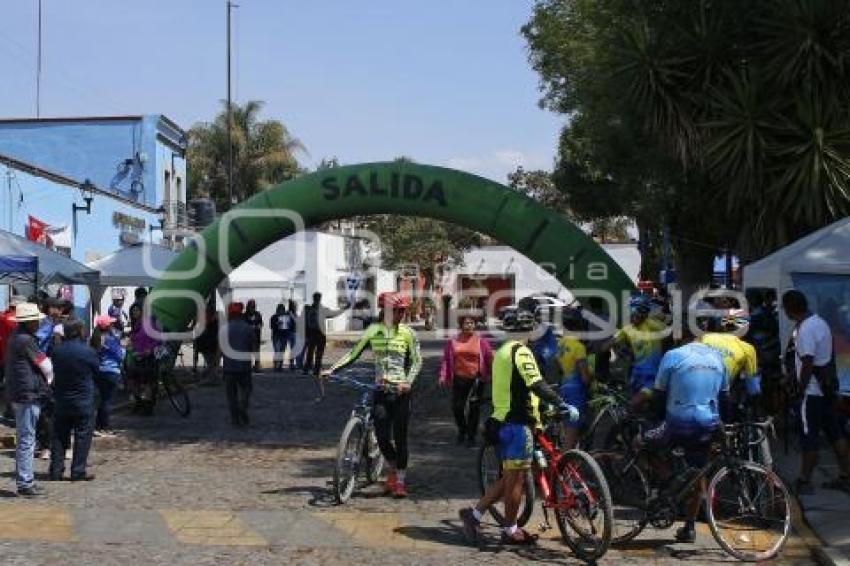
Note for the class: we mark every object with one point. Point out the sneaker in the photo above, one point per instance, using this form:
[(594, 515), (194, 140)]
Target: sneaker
[(520, 538), (390, 483), (31, 491), (400, 491), (803, 487), (686, 534), (44, 454), (471, 525)]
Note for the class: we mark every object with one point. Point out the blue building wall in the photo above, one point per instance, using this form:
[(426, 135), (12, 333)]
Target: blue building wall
[(127, 155)]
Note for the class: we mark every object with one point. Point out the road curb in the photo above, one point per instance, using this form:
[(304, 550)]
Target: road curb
[(824, 554)]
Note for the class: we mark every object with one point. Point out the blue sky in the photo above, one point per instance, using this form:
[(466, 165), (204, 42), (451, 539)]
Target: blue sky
[(446, 82)]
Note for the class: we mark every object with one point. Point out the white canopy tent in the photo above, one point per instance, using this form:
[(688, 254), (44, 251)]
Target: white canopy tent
[(824, 251), (819, 266), (140, 265)]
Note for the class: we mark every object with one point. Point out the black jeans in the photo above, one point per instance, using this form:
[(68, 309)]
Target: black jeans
[(238, 386), (64, 421), (316, 342), (107, 384), (44, 429), (467, 425), (391, 413)]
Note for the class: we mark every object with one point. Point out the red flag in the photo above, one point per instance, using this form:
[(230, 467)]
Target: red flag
[(37, 231)]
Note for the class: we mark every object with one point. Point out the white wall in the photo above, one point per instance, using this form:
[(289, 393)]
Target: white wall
[(530, 278)]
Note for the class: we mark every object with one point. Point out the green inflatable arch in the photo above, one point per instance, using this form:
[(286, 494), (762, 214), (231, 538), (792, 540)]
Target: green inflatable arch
[(383, 188)]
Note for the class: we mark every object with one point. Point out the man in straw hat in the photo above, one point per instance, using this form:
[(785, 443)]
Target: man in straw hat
[(29, 374)]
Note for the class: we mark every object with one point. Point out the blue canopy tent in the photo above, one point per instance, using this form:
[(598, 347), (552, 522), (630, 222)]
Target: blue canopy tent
[(19, 269)]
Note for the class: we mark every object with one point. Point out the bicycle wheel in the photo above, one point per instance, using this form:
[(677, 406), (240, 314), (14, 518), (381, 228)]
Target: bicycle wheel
[(489, 471), (749, 511), (348, 459), (177, 396), (374, 457), (583, 509), (629, 494)]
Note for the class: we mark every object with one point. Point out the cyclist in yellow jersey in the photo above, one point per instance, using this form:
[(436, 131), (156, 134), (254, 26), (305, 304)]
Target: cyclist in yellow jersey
[(576, 378), (517, 388), (739, 357), (397, 363), (640, 341)]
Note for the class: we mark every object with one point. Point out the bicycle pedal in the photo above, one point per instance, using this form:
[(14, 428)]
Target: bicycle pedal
[(543, 527)]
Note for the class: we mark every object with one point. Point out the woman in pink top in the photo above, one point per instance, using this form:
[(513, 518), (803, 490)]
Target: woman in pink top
[(465, 367)]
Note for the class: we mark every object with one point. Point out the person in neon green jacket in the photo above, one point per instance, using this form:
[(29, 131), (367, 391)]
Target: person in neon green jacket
[(397, 363)]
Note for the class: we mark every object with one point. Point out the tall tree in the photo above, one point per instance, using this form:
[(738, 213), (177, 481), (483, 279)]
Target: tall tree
[(264, 154), (728, 121)]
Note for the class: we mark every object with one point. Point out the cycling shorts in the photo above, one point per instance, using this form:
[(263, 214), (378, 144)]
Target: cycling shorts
[(695, 444), (818, 415), (516, 446)]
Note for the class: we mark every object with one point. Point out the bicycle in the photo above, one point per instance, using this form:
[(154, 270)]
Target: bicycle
[(571, 484), (608, 408), (743, 489), (358, 443), (165, 356)]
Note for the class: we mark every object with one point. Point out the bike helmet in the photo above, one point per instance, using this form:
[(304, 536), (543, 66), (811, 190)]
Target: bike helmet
[(393, 301), (640, 304), (735, 320)]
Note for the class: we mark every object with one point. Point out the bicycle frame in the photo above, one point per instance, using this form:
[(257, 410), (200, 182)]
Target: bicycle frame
[(545, 478)]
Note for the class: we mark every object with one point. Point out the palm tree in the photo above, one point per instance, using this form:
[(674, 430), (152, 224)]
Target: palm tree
[(264, 154), (754, 96)]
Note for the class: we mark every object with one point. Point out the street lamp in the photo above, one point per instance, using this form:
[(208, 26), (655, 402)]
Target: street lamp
[(87, 191), (160, 217)]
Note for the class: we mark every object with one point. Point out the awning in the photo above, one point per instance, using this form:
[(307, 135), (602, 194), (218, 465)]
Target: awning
[(53, 267), (140, 265)]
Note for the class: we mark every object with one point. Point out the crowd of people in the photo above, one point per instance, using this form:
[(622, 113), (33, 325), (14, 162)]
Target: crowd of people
[(727, 369), (61, 379)]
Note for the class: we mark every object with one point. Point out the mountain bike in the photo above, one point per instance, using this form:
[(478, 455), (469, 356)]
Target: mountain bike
[(607, 409), (747, 505), (570, 484), (358, 452), (166, 357)]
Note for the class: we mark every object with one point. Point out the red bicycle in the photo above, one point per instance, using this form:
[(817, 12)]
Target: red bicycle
[(570, 484)]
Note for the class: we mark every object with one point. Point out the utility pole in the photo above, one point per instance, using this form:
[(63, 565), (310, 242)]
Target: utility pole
[(38, 68), (230, 202)]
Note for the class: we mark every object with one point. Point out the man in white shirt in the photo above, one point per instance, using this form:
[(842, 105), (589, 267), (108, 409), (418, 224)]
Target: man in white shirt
[(816, 376)]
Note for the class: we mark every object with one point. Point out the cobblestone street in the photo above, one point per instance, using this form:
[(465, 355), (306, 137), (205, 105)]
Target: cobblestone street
[(196, 491)]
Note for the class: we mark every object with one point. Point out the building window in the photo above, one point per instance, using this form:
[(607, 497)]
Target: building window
[(166, 195), (178, 182)]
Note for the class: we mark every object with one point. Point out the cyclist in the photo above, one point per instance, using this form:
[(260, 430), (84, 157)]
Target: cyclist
[(691, 391), (576, 378), (739, 357), (397, 363), (640, 342), (517, 388)]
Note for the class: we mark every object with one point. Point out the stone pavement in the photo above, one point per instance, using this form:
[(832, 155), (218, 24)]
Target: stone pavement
[(827, 512), (196, 491)]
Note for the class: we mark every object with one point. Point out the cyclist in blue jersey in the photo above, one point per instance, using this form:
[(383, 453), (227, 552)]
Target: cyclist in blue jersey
[(692, 391)]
